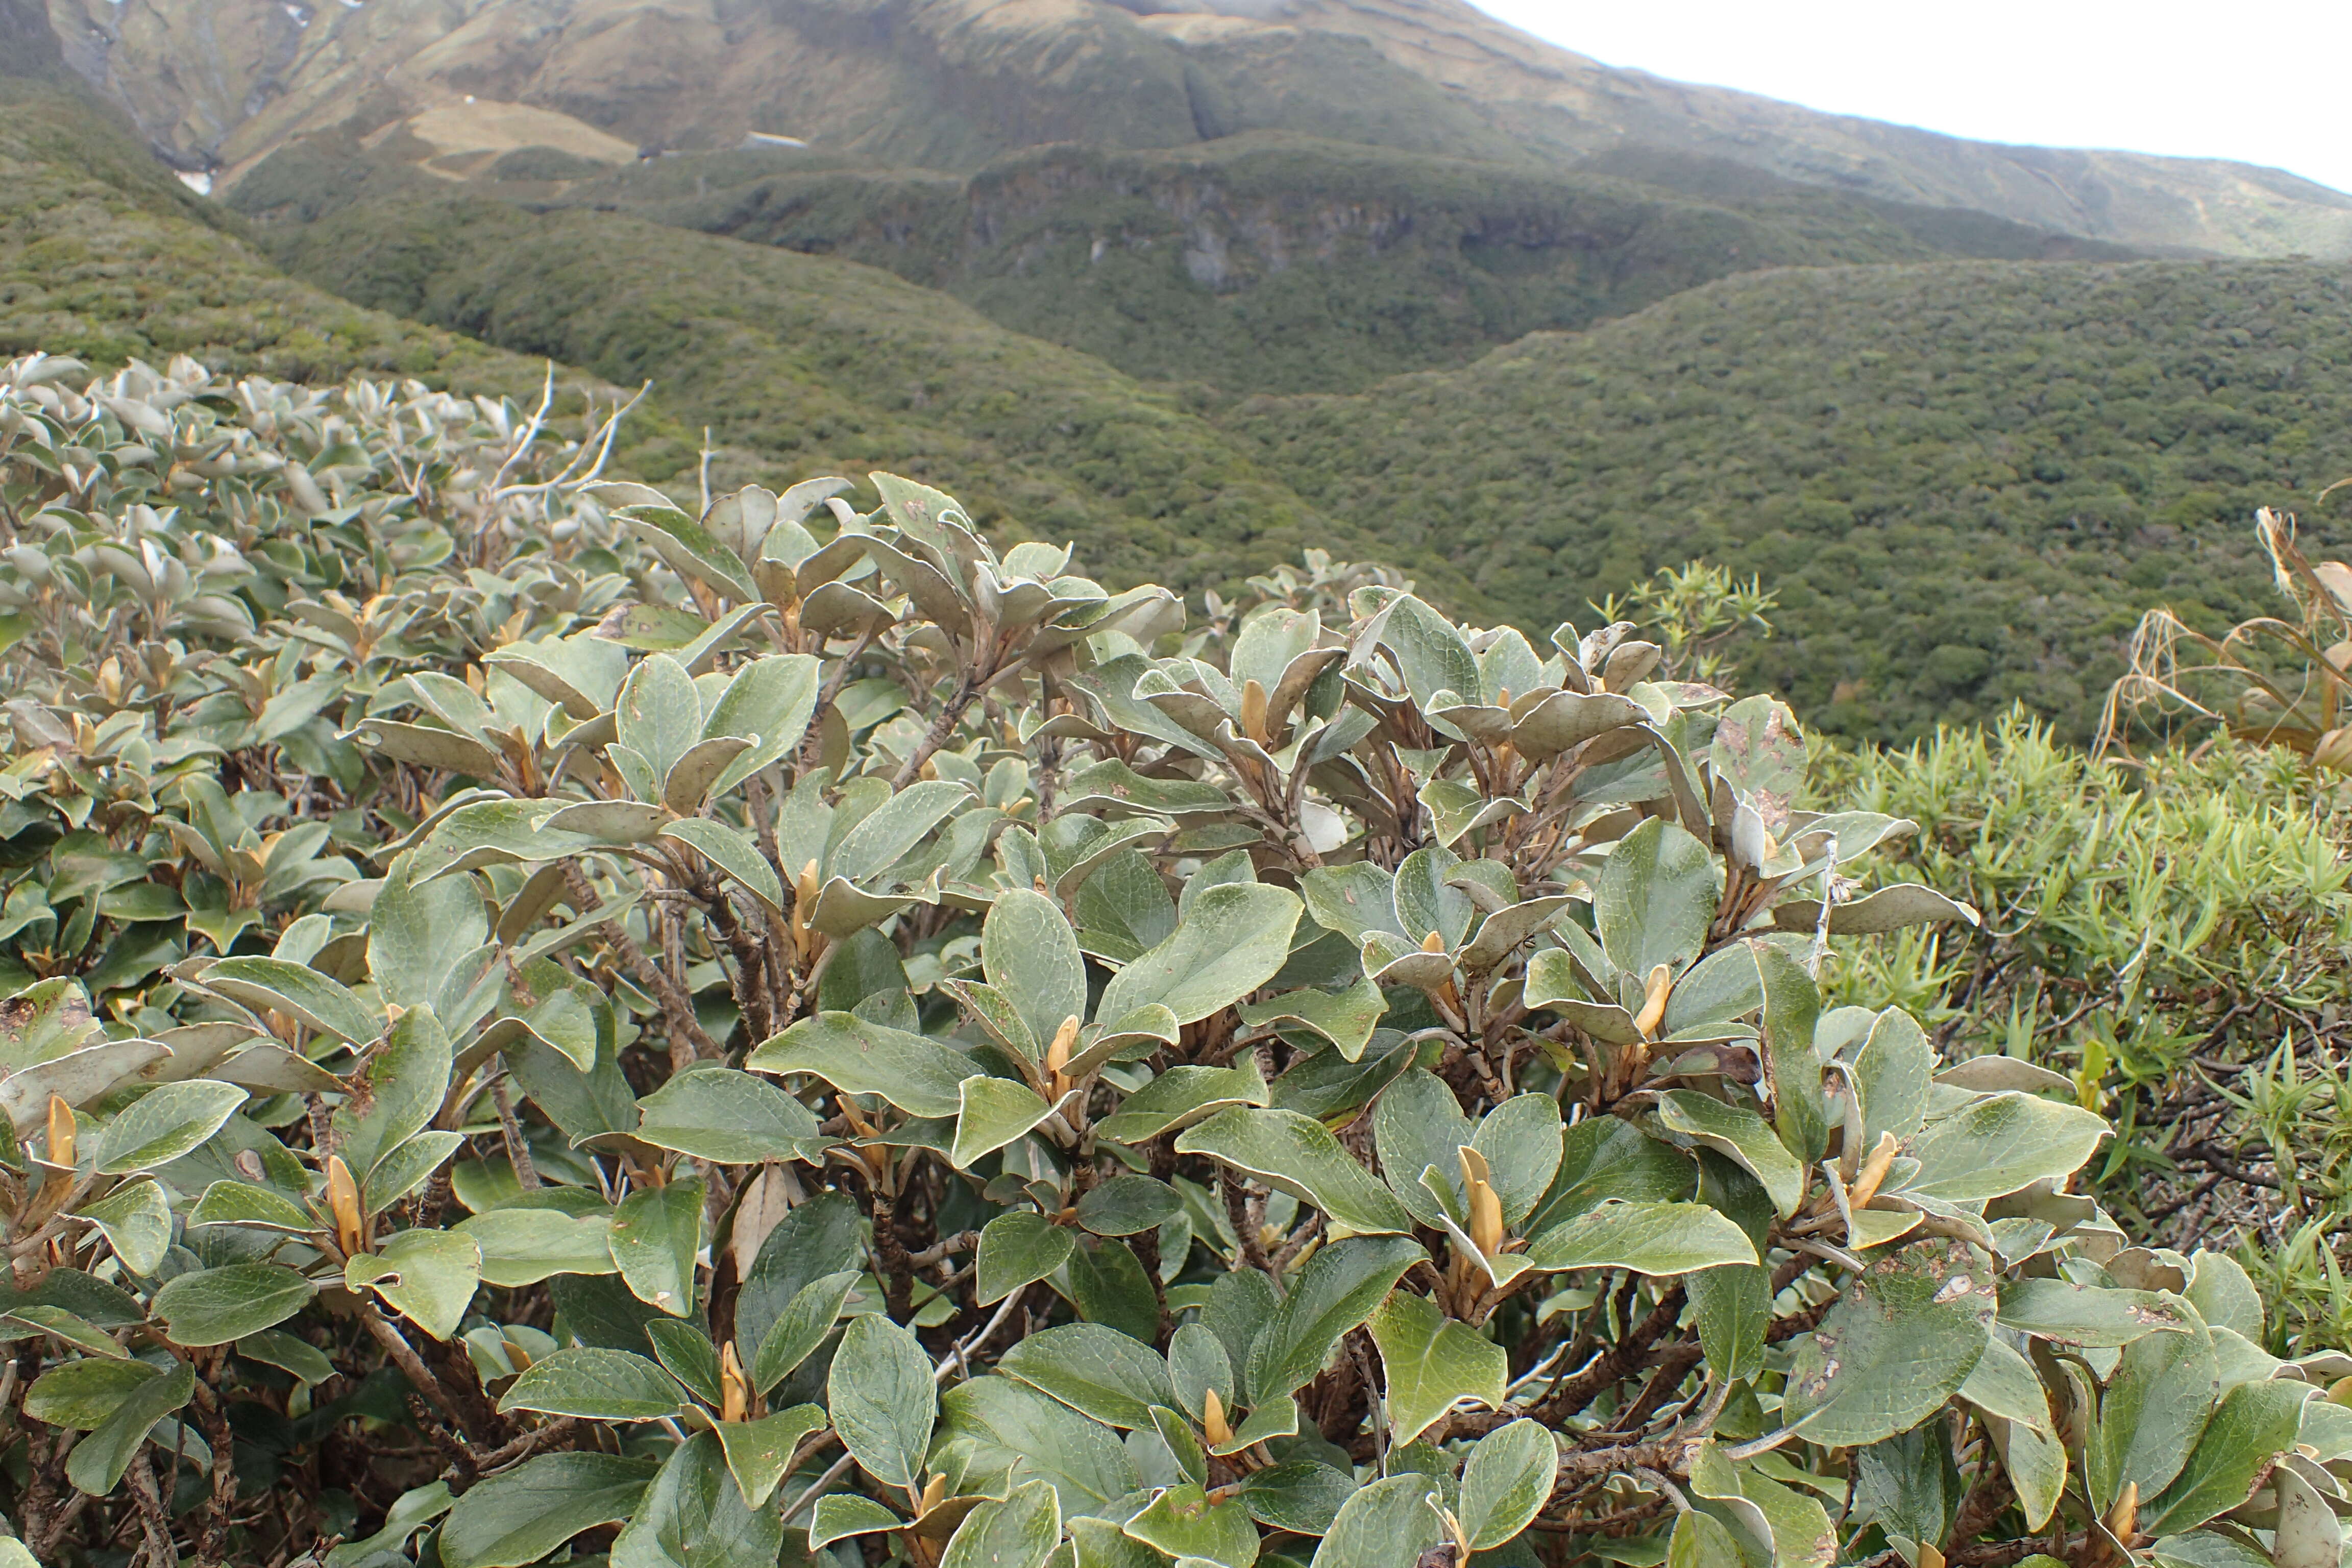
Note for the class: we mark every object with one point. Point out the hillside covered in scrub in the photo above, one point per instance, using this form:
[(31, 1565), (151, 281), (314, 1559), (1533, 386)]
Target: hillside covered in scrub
[(1967, 479), (1966, 450)]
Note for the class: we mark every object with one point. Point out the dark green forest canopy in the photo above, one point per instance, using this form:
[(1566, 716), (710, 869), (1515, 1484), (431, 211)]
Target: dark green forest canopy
[(1966, 480), (1269, 262)]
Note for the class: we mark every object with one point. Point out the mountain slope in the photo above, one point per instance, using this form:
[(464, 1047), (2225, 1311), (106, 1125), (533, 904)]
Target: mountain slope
[(954, 84), (810, 365), (1269, 262), (798, 365), (106, 256), (1964, 480)]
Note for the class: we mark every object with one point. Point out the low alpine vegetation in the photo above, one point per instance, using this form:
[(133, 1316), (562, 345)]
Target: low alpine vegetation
[(550, 1022)]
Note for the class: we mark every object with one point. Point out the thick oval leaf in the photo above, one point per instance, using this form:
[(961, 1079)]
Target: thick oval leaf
[(2000, 1143), (1233, 940), (2004, 1384), (1740, 1133), (1793, 1007), (772, 699), (659, 713), (1646, 1237), (817, 1238), (243, 1203), (1301, 1496), (1890, 908), (1182, 1522), (601, 1384), (1298, 1155), (406, 1167), (1417, 1125), (695, 1517), (1016, 1249), (2255, 1423), (396, 1091), (805, 1320), (523, 1247), (1129, 1206), (882, 1400), (731, 850), (518, 1517), (136, 1220), (164, 1123), (80, 1395), (1031, 956), (417, 935), (919, 1076), (427, 1275), (2149, 1417), (1338, 1289), (1003, 1426), (214, 1306), (2100, 1318), (733, 1117), (990, 1114), (1604, 1157), (1505, 1482), (1899, 1343), (1018, 1532), (760, 1452), (1095, 1370), (876, 844), (844, 1514), (1387, 1524), (1182, 1095), (656, 1232), (97, 1461), (273, 985), (1655, 898), (1431, 1363), (1521, 1140)]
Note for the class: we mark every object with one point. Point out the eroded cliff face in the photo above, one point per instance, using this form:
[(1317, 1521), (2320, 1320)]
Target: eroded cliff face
[(450, 86)]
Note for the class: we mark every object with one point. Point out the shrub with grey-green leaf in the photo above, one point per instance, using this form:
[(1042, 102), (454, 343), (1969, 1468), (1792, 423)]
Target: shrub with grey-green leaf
[(548, 1022)]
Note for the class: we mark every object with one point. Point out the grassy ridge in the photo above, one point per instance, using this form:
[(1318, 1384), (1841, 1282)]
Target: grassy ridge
[(1965, 479)]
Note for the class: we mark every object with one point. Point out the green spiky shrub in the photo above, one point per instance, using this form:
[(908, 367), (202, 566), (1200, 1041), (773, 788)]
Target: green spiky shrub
[(549, 1022)]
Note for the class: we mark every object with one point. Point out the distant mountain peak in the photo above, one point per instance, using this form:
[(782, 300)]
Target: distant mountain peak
[(953, 84)]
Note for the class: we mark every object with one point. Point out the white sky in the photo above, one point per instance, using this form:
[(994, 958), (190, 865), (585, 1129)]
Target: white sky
[(2264, 81)]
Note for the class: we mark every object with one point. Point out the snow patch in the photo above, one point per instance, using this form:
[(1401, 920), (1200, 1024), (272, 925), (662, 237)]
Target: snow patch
[(199, 181)]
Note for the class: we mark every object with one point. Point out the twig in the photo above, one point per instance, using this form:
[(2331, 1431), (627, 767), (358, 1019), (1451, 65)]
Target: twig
[(677, 1008), (1237, 1210), (508, 1453), (212, 1551), (154, 1521), (838, 1468), (404, 1356), (517, 1151), (960, 1358), (529, 431)]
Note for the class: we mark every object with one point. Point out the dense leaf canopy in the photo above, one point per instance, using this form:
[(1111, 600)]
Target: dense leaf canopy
[(543, 1019)]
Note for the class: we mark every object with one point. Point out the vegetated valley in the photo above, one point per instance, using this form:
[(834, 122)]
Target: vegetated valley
[(1407, 873)]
